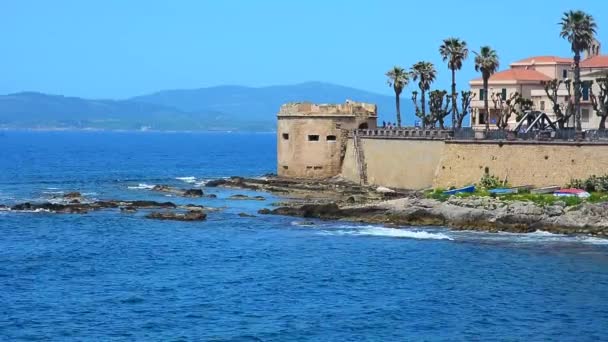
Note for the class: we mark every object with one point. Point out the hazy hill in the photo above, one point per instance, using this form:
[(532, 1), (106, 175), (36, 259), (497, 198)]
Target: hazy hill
[(263, 103), (215, 108)]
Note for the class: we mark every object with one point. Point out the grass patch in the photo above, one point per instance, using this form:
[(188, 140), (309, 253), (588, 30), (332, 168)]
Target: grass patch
[(526, 196)]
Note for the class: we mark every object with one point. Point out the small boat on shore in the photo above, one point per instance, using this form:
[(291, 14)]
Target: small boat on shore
[(466, 189), (571, 193), (502, 191), (545, 190)]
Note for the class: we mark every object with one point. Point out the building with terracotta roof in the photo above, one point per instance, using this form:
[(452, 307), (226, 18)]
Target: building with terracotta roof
[(527, 77)]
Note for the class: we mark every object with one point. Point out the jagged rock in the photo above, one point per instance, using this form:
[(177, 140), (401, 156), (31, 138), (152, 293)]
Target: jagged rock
[(128, 209), (73, 194), (215, 183), (193, 207), (383, 189), (161, 188), (245, 215), (265, 211), (81, 208), (175, 216), (178, 192), (193, 193)]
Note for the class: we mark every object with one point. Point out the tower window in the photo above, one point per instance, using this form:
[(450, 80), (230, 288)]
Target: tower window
[(285, 136), (331, 138), (313, 137), (564, 73)]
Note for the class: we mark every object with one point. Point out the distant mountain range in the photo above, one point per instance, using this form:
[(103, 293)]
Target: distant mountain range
[(233, 108)]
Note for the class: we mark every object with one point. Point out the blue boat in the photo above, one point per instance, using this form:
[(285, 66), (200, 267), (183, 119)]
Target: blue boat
[(502, 191), (466, 189)]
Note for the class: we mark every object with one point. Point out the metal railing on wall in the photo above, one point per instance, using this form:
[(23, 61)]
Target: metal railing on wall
[(405, 133), (467, 133)]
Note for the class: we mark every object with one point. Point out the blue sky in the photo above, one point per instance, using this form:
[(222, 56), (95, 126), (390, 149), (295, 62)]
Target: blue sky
[(119, 48)]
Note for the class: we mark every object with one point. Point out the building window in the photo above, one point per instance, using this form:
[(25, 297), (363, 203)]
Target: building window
[(565, 73), (331, 138), (481, 95), (285, 136), (285, 167), (482, 118), (313, 137), (318, 168), (504, 94), (542, 105), (585, 115), (585, 92)]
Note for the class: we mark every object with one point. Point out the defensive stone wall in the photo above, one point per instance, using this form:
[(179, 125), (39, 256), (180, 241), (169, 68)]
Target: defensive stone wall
[(404, 164), (422, 164), (521, 163)]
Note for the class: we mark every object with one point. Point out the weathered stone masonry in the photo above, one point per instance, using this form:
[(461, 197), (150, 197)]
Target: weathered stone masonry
[(313, 142), (311, 138)]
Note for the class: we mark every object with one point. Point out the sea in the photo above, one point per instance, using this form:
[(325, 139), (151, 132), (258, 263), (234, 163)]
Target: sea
[(112, 276)]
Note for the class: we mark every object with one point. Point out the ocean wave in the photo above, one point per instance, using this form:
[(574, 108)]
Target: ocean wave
[(387, 232), (59, 192), (594, 240), (187, 179), (538, 237), (141, 186)]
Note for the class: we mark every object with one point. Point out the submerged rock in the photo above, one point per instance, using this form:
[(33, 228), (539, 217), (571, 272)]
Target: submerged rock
[(245, 197), (245, 215), (176, 216)]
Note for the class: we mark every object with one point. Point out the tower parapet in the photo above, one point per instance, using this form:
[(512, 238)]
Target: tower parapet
[(311, 138)]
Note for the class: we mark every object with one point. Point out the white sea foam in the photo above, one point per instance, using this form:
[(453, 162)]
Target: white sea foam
[(387, 232), (593, 240), (538, 237), (141, 186), (187, 179)]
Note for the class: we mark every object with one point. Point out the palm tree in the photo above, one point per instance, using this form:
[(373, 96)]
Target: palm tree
[(486, 62), (454, 51), (578, 28), (424, 73), (398, 78)]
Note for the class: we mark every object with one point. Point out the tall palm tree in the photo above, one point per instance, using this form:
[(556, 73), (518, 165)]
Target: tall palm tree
[(486, 62), (578, 28), (398, 78), (454, 51), (424, 73)]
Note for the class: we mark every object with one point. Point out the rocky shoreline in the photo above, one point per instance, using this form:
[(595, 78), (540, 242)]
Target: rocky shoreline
[(336, 199)]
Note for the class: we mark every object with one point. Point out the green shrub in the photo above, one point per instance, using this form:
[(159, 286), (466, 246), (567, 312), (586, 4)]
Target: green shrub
[(489, 181), (591, 184)]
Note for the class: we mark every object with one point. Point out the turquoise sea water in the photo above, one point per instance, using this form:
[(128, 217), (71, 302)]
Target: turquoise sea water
[(112, 276)]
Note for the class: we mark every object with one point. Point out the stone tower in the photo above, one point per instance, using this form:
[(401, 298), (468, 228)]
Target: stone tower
[(311, 138)]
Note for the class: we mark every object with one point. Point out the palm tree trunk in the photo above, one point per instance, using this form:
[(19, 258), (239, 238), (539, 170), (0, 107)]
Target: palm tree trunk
[(602, 123), (454, 107), (423, 107), (398, 104), (486, 107), (577, 91)]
